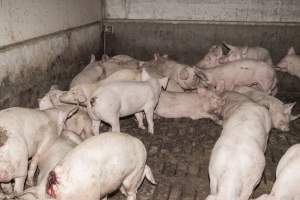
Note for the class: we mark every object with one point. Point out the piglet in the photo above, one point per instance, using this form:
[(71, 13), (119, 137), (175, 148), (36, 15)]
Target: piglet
[(123, 98), (290, 63), (212, 58), (109, 161), (27, 133), (286, 186), (239, 53), (204, 103), (281, 113), (237, 160), (241, 73)]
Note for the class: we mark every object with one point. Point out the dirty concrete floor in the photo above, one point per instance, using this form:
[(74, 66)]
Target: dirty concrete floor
[(179, 151)]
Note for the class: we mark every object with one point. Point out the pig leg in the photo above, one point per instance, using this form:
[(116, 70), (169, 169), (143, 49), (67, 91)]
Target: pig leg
[(149, 116), (95, 126), (132, 183), (140, 117), (115, 125)]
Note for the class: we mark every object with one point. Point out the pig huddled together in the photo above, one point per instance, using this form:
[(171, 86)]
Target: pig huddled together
[(234, 90)]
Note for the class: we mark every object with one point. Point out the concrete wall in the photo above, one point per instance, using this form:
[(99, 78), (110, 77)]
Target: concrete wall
[(44, 43), (205, 10)]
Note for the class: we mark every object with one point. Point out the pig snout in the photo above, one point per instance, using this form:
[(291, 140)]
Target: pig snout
[(51, 182)]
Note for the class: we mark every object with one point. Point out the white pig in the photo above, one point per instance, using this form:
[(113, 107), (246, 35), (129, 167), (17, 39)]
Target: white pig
[(290, 63), (196, 105), (281, 113), (182, 74), (64, 143), (123, 98), (238, 53), (51, 99), (241, 73), (237, 160), (286, 186), (80, 93), (91, 73), (27, 133), (212, 58), (109, 161)]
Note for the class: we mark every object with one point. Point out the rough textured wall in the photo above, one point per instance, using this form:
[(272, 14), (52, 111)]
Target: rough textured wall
[(44, 43), (22, 20), (205, 10)]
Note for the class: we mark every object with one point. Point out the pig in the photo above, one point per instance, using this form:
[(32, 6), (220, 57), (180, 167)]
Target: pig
[(281, 114), (212, 58), (241, 73), (93, 72), (237, 160), (183, 75), (80, 93), (123, 98), (290, 63), (102, 156), (286, 186), (238, 53), (51, 99), (204, 103), (62, 145), (27, 133)]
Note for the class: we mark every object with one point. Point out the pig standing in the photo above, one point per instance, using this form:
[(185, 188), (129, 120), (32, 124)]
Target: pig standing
[(241, 73), (237, 160), (286, 186), (212, 58), (239, 53), (90, 74), (281, 113), (179, 74), (27, 133), (290, 63), (80, 93), (123, 98), (203, 104), (109, 161), (64, 143)]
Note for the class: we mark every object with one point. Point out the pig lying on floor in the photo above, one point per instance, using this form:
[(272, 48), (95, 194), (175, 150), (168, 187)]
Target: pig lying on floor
[(107, 162)]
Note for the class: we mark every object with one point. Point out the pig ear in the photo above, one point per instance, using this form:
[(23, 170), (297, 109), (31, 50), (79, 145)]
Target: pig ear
[(288, 107), (104, 58), (164, 82), (294, 117), (54, 87), (228, 46), (64, 115), (145, 75), (93, 58), (291, 51), (183, 74)]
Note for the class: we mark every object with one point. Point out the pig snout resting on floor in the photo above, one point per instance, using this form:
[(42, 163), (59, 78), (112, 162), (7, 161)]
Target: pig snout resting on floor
[(80, 93), (123, 98), (286, 186), (290, 63), (239, 53), (196, 105), (109, 161), (27, 133), (237, 160), (91, 73), (281, 113), (212, 58), (241, 73)]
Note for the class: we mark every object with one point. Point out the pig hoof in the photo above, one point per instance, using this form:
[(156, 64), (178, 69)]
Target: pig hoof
[(142, 127)]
